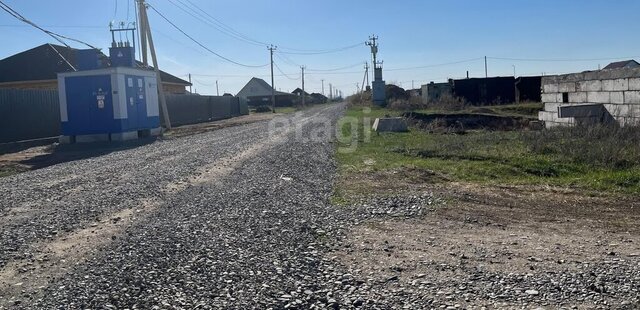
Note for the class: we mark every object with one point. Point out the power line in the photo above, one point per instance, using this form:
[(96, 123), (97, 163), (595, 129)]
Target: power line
[(58, 37), (202, 45), (284, 74), (336, 69), (286, 59), (436, 65), (331, 51), (559, 60), (52, 26), (213, 23)]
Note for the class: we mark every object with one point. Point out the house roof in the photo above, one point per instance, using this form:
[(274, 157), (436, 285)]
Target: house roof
[(44, 63), (298, 91), (623, 64), (258, 87)]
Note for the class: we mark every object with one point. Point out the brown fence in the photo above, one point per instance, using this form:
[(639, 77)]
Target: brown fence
[(35, 114)]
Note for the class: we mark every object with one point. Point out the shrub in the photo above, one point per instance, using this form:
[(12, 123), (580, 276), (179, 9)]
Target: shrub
[(263, 109), (448, 102)]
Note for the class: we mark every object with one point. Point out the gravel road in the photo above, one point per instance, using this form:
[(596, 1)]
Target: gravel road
[(240, 218), (229, 218)]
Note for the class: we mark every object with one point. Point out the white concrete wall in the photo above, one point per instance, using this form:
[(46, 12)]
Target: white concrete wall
[(617, 90)]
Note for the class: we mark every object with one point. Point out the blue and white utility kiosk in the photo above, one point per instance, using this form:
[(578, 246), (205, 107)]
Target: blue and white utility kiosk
[(108, 102)]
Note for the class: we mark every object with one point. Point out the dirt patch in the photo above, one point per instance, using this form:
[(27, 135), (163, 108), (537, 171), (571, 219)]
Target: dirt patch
[(531, 231), (468, 121)]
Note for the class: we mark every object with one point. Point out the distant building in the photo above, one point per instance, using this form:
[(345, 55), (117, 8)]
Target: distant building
[(257, 92), (298, 92), (319, 98), (38, 67), (627, 64), (432, 92)]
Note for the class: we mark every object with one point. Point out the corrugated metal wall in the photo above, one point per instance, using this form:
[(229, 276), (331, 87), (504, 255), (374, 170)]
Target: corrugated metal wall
[(34, 114), (28, 114), (193, 109)]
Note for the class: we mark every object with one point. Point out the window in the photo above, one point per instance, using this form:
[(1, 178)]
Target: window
[(565, 97)]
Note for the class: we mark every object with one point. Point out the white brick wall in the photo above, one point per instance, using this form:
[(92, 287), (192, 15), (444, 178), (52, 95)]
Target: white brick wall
[(567, 87), (550, 88), (617, 109), (617, 97), (551, 97), (634, 84), (595, 85), (552, 106), (615, 85), (599, 97), (580, 97), (631, 97)]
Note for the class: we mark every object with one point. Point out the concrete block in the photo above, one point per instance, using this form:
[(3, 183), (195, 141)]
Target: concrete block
[(580, 97), (551, 97), (634, 84), (593, 85), (615, 85), (632, 97), (617, 109), (92, 138), (567, 87), (552, 106), (634, 110), (124, 136), (617, 97), (547, 116), (630, 121), (550, 88), (599, 97), (393, 124)]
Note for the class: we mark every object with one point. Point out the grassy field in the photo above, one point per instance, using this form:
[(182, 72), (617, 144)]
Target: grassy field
[(487, 157)]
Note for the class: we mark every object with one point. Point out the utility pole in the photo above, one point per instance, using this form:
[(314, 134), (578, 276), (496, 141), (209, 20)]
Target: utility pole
[(374, 48), (330, 92), (145, 31), (322, 86), (412, 87), (273, 87), (486, 68), (514, 70), (217, 89), (303, 93), (366, 76), (190, 86)]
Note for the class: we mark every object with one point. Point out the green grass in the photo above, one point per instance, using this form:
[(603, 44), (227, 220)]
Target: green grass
[(480, 156)]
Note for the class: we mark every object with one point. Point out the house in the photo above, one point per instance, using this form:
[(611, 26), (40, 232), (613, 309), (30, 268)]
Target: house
[(38, 67), (603, 96), (319, 98), (257, 92), (298, 92), (628, 64)]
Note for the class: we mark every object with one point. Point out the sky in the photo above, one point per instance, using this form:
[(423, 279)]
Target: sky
[(419, 40)]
